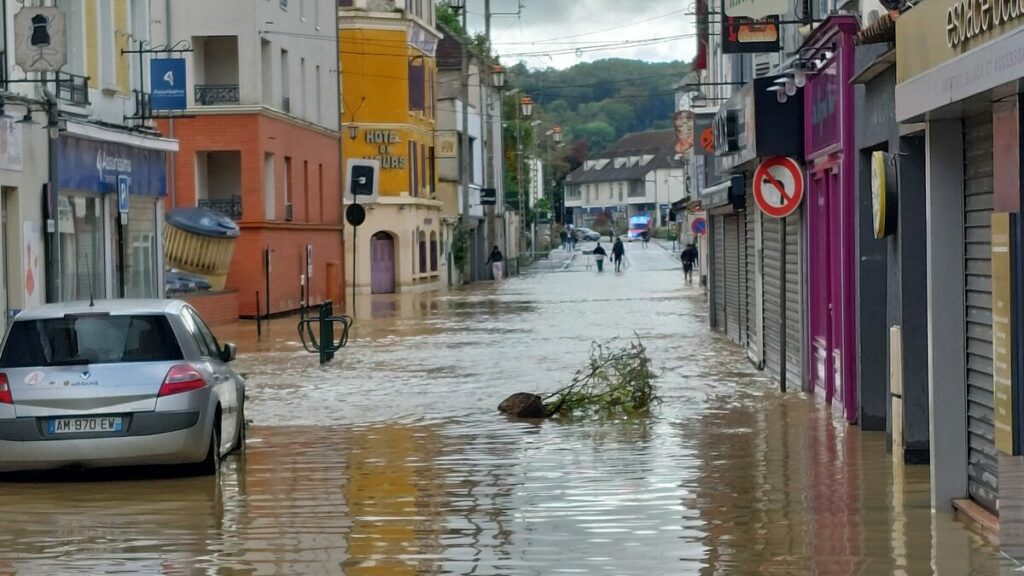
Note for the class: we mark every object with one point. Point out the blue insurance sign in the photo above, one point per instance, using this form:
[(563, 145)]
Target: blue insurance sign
[(167, 79)]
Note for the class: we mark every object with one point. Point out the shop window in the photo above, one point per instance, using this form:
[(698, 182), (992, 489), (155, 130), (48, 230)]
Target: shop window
[(433, 251), (82, 249), (141, 248)]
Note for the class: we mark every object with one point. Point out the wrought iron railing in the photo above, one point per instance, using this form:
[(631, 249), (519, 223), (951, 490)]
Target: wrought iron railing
[(232, 207), (73, 88), (210, 94)]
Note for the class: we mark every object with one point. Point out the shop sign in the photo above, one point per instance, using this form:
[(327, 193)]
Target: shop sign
[(749, 36), (167, 78), (823, 112), (934, 33), (682, 121), (969, 19), (96, 166), (11, 149), (384, 140), (423, 40), (704, 133), (447, 145), (755, 8)]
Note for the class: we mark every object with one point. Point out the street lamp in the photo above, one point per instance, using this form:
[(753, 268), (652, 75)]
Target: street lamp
[(457, 6), (556, 134), (498, 76), (526, 106)]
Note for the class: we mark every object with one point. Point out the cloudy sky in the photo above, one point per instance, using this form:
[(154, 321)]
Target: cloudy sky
[(560, 33)]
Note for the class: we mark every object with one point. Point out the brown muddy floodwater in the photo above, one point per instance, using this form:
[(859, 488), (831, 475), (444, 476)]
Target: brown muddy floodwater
[(393, 461)]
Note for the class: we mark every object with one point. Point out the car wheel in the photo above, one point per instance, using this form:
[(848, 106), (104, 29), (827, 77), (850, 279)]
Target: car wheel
[(211, 464)]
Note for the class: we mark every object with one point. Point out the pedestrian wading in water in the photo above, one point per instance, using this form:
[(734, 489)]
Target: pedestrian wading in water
[(599, 256), (618, 250), (497, 262), (688, 258)]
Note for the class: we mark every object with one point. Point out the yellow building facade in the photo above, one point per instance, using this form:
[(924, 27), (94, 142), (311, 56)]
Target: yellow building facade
[(389, 75)]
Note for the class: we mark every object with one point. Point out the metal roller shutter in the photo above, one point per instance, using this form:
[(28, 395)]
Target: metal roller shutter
[(794, 304), (982, 468), (741, 247), (753, 340), (770, 228), (718, 273), (732, 278)]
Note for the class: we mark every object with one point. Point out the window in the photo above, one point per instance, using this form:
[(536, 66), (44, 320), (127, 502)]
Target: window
[(210, 346), (430, 166), (285, 83), (319, 97), (287, 179), (302, 109), (108, 35), (269, 187), (284, 4), (433, 251), (90, 338), (414, 170), (75, 19), (305, 188), (423, 166), (416, 84), (423, 252)]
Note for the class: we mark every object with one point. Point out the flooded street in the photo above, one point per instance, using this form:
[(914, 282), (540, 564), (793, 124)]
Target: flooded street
[(393, 460)]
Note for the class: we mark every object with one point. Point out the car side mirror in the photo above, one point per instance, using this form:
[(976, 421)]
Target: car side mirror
[(229, 352)]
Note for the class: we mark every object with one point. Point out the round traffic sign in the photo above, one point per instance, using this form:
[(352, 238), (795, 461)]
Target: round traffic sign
[(699, 226), (779, 186), (355, 214)]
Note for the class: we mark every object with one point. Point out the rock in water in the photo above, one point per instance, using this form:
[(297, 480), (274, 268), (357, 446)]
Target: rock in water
[(523, 405)]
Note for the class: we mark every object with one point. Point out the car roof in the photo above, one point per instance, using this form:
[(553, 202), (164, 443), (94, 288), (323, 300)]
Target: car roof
[(114, 307)]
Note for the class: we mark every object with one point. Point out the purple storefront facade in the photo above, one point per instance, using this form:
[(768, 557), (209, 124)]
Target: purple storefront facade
[(831, 215)]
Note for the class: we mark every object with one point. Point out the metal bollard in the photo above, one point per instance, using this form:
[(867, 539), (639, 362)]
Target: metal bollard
[(326, 332)]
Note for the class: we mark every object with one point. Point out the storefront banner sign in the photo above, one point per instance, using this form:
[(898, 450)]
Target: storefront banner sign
[(11, 149), (33, 286), (423, 40), (824, 110), (167, 78), (704, 133), (96, 166), (756, 9), (748, 36), (447, 145), (683, 123)]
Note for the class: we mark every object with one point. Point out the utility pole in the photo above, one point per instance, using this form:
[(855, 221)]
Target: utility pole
[(464, 156), (490, 212)]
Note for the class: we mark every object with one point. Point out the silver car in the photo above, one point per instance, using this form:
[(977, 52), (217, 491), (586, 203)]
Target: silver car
[(114, 383)]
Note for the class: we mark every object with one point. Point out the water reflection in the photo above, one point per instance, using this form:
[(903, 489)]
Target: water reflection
[(392, 460)]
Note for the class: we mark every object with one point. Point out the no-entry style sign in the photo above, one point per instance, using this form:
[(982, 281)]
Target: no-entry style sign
[(699, 226), (779, 186)]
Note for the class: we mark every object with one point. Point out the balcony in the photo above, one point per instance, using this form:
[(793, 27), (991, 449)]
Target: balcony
[(232, 207), (73, 89), (216, 94)]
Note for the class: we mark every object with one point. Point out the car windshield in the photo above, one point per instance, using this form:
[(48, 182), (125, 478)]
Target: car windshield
[(90, 339)]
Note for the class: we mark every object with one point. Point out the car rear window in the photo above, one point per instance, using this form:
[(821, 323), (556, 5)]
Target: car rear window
[(90, 339)]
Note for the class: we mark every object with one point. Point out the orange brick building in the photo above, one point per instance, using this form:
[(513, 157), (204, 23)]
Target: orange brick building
[(280, 182), (262, 145)]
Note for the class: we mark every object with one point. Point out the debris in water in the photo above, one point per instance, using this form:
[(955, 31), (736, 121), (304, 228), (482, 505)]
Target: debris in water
[(613, 381)]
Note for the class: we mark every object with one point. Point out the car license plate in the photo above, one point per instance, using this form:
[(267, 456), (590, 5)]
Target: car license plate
[(84, 425)]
